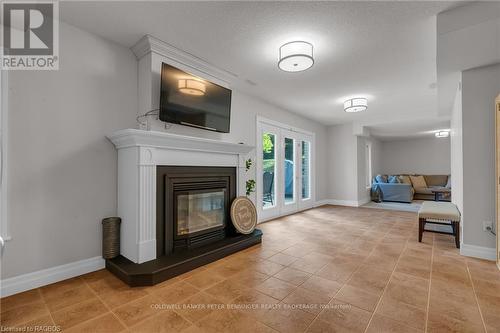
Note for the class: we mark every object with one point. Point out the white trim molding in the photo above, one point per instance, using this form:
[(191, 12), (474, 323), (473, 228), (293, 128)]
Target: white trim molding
[(148, 44), (481, 252), (264, 120), (127, 138), (4, 136), (320, 203), (47, 276), (347, 203), (364, 201)]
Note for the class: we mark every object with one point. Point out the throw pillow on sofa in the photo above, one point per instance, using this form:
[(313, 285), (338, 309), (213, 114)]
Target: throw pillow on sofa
[(418, 181), (405, 179), (393, 180), (381, 178)]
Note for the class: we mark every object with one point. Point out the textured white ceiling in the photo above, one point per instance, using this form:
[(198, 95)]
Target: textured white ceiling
[(383, 50), (398, 130)]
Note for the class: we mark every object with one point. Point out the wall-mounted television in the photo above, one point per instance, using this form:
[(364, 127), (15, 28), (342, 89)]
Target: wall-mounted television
[(189, 100)]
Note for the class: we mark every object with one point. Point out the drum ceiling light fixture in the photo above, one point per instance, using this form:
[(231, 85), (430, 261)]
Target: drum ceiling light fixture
[(442, 134), (357, 104), (296, 56)]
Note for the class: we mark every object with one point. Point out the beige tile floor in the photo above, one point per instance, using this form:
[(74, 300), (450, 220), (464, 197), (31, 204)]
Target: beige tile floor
[(330, 269)]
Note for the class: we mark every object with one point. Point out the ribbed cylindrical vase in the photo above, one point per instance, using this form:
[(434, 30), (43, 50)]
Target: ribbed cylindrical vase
[(111, 237)]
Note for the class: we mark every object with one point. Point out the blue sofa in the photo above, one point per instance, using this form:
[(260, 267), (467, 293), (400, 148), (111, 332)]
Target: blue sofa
[(398, 192)]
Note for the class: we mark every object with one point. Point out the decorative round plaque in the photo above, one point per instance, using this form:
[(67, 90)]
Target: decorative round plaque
[(243, 215)]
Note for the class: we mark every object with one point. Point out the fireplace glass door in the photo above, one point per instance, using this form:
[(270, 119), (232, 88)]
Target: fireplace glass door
[(199, 211)]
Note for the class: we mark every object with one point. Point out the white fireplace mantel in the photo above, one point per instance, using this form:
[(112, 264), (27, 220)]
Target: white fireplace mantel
[(139, 153)]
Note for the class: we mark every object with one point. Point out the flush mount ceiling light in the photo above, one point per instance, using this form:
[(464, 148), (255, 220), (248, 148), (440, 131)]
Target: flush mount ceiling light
[(296, 56), (191, 87), (442, 134), (357, 104)]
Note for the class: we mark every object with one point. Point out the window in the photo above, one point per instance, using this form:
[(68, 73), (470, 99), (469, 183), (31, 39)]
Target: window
[(306, 166), (289, 171), (268, 170), (368, 164), (285, 169)]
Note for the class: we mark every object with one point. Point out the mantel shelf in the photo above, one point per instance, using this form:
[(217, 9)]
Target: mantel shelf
[(139, 138)]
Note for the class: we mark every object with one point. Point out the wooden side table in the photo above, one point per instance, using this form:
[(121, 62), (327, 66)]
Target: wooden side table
[(438, 192)]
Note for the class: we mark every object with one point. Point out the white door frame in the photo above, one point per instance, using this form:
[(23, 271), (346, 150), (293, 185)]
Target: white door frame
[(264, 124), (293, 206), (274, 211), (308, 202), (4, 227)]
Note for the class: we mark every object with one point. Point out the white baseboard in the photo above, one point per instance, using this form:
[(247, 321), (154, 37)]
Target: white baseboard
[(364, 201), (348, 203), (321, 203), (47, 276), (480, 252)]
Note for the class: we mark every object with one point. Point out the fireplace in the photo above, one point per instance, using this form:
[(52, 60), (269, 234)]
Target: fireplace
[(193, 206), (174, 197)]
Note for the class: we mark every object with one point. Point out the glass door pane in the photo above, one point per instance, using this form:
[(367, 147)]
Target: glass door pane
[(200, 211), (268, 170), (306, 169), (289, 171)]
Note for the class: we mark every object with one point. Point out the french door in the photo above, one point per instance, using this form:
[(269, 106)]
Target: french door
[(284, 171)]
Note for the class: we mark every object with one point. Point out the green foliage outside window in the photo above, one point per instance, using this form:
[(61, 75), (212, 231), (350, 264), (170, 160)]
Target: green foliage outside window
[(267, 143)]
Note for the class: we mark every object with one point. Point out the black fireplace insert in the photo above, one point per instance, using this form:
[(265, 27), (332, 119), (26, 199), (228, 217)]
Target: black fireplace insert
[(193, 206)]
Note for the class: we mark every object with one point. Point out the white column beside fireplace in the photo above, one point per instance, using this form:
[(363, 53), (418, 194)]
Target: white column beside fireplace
[(139, 153)]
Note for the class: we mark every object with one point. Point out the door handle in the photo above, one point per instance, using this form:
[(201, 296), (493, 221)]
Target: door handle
[(2, 245)]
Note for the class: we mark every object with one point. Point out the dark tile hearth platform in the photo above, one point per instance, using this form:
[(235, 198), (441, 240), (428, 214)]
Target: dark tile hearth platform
[(168, 266)]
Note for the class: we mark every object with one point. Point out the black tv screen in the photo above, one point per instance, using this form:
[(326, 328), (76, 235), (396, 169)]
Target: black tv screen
[(189, 100)]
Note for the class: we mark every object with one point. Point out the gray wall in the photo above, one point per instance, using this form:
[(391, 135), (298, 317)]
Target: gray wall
[(346, 164), (362, 168), (480, 86), (342, 163), (62, 178), (428, 156), (376, 156), (62, 169)]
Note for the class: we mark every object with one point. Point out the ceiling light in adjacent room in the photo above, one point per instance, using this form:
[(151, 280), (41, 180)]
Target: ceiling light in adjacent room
[(442, 134), (192, 87), (357, 104), (296, 56)]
